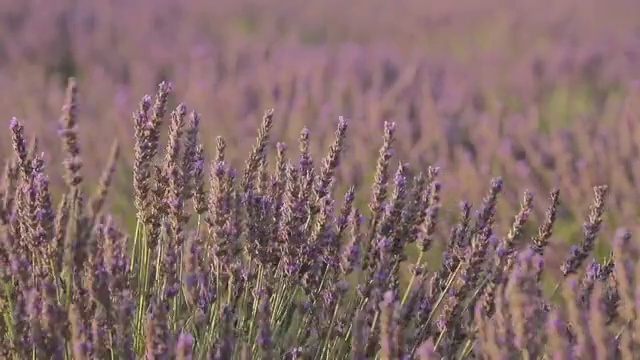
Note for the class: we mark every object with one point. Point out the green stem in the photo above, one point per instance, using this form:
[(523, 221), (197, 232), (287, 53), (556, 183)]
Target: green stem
[(413, 277)]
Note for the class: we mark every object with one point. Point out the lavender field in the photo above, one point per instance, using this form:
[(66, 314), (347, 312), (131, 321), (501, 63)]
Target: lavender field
[(280, 179)]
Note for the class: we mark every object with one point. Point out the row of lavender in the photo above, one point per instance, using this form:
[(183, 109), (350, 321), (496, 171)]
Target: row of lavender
[(274, 262), (521, 90), (468, 131)]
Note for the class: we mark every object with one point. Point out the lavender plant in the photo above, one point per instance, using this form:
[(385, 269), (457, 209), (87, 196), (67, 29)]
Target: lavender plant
[(272, 261)]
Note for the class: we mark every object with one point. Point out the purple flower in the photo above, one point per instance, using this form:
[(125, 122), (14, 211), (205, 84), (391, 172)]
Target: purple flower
[(593, 270), (14, 123), (171, 291)]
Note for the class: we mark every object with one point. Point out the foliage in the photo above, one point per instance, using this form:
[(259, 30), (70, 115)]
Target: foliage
[(269, 263)]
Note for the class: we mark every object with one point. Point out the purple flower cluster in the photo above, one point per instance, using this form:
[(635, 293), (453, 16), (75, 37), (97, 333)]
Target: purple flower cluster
[(269, 263)]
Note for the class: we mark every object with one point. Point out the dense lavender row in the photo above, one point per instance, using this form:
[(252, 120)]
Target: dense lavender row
[(537, 92), (274, 262)]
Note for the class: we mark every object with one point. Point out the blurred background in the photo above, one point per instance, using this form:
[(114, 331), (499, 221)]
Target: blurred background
[(542, 93)]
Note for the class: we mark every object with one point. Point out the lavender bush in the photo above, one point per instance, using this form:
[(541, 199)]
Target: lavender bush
[(272, 261), (374, 239), (538, 92)]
